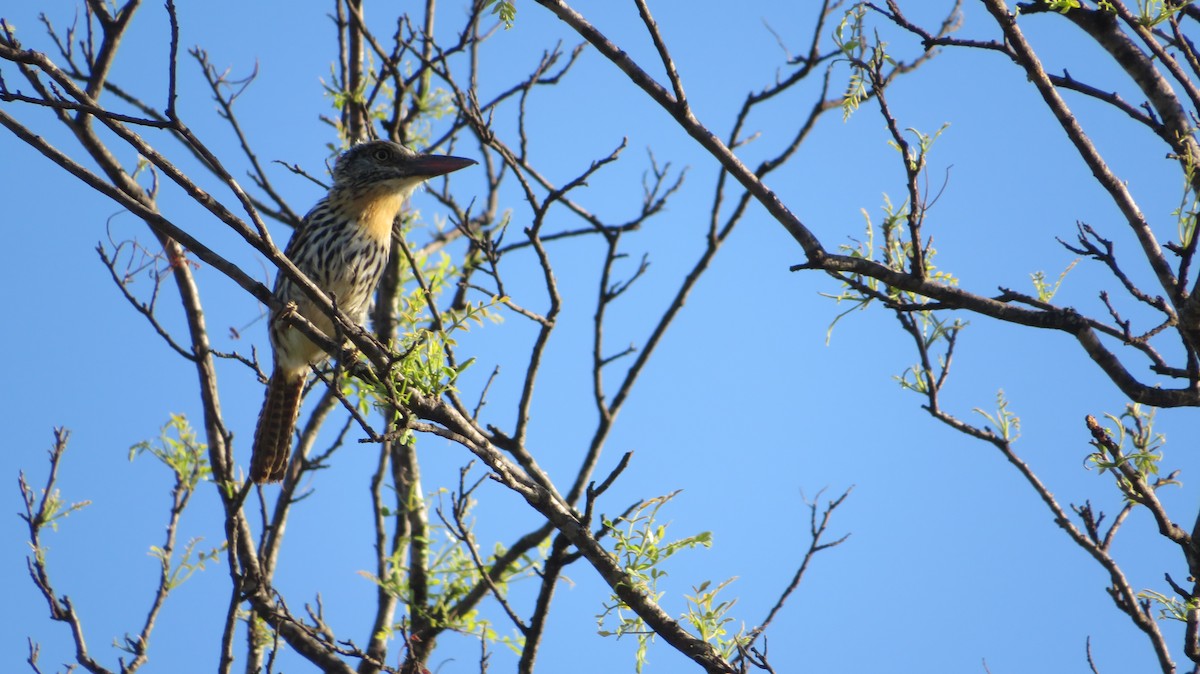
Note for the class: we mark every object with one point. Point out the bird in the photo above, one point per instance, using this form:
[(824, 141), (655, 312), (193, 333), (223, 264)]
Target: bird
[(342, 245)]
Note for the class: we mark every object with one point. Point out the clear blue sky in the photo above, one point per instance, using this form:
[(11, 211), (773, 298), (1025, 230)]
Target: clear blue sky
[(952, 561)]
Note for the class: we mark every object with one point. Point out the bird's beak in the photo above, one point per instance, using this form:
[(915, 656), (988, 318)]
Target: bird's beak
[(430, 165)]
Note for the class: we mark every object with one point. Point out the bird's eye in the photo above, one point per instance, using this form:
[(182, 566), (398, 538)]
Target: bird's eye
[(382, 154)]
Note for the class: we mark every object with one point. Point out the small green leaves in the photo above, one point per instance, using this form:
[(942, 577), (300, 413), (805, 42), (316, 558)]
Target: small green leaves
[(1153, 12), (849, 39), (856, 92), (930, 329), (1062, 6), (918, 153), (895, 252), (190, 561), (1150, 13), (179, 449), (1047, 291), (450, 573), (1131, 441), (1131, 452), (54, 508), (1007, 424), (504, 9), (1169, 607), (709, 617), (854, 46), (1189, 203), (640, 545)]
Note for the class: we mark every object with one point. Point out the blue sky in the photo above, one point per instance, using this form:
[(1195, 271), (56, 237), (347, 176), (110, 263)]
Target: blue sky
[(952, 561)]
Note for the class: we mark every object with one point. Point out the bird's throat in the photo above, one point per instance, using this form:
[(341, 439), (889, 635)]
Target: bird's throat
[(377, 210)]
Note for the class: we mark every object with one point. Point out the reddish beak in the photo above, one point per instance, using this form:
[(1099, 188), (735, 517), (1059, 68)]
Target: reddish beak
[(431, 165)]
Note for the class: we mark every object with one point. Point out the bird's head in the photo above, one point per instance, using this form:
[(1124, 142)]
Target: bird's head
[(384, 163)]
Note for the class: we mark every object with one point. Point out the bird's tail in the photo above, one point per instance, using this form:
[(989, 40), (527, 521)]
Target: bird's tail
[(273, 437)]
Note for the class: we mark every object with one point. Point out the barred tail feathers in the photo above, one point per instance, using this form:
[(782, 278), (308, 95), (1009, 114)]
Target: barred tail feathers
[(276, 421)]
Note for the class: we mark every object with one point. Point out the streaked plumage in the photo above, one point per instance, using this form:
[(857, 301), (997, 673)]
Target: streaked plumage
[(342, 245)]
